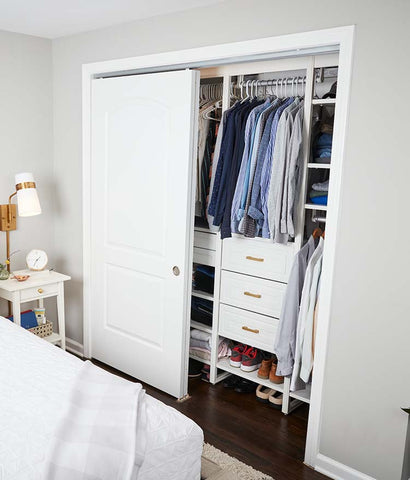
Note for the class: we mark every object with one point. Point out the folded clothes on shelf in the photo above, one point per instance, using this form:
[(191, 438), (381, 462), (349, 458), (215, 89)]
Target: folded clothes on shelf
[(203, 278), (200, 335), (315, 193), (321, 187), (322, 145), (201, 310), (322, 200), (204, 352)]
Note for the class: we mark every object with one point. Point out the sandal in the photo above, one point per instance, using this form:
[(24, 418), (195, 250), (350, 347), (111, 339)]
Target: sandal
[(262, 393), (276, 399)]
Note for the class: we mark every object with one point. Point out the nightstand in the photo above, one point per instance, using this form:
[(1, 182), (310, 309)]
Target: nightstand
[(39, 286)]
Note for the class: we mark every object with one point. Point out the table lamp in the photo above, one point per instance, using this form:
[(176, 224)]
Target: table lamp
[(27, 202)]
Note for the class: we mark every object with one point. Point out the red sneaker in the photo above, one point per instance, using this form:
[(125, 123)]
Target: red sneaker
[(251, 360), (236, 357)]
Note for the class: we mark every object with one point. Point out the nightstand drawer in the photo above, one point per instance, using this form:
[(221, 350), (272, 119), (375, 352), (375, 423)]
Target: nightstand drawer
[(39, 292), (248, 327), (251, 293)]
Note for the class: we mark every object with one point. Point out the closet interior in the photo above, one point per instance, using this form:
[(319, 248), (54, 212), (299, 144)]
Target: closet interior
[(240, 281)]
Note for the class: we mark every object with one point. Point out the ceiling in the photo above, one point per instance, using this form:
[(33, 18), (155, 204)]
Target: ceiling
[(57, 18)]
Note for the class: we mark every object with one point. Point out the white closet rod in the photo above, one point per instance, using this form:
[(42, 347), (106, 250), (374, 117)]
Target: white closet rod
[(273, 82), (319, 219)]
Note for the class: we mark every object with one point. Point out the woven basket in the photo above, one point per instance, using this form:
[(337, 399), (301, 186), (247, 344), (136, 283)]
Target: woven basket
[(43, 330)]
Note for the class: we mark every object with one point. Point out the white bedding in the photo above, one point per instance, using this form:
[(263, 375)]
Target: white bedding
[(35, 382)]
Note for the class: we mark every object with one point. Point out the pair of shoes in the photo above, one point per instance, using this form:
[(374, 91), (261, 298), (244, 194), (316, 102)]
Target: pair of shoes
[(205, 373), (262, 393), (195, 368), (268, 368), (239, 384), (269, 395), (245, 386), (276, 399), (231, 381), (246, 358)]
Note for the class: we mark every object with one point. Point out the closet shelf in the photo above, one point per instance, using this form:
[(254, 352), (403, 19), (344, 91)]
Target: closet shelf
[(204, 230), (204, 295), (319, 165), (199, 359), (223, 364), (302, 395), (313, 206), (201, 326), (324, 101)]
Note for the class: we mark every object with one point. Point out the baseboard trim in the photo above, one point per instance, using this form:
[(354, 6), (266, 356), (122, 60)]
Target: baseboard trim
[(75, 347), (337, 470)]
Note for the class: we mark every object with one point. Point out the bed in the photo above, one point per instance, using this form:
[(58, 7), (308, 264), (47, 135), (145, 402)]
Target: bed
[(37, 381)]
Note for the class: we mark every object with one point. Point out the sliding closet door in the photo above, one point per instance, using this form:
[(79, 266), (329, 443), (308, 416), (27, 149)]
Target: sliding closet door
[(143, 136)]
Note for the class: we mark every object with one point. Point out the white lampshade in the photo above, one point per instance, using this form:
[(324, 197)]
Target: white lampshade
[(27, 198)]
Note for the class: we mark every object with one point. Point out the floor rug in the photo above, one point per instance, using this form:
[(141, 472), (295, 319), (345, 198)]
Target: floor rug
[(217, 465)]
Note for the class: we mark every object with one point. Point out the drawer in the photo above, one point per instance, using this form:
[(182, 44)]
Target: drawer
[(39, 292), (248, 327), (204, 256), (205, 240), (251, 293), (257, 257)]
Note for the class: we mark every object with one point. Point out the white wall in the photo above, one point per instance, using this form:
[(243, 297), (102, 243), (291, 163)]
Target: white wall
[(367, 377), (26, 133)]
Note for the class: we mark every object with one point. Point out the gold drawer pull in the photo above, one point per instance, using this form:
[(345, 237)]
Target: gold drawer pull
[(40, 290), (255, 259), (253, 330), (249, 294)]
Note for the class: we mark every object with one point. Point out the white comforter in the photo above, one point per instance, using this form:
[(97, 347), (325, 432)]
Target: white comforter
[(36, 381)]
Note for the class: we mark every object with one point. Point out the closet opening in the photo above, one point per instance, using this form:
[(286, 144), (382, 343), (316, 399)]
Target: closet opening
[(250, 273), (251, 266)]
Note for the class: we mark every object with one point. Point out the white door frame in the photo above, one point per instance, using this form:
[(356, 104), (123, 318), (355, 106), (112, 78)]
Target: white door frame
[(273, 47)]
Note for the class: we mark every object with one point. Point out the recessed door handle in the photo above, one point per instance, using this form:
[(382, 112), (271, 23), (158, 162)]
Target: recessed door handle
[(255, 259), (255, 295), (253, 330), (176, 271)]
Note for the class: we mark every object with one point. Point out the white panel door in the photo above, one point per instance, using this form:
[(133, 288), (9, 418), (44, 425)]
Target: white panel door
[(143, 140)]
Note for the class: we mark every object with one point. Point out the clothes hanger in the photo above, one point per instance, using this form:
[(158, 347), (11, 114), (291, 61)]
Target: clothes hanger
[(317, 232)]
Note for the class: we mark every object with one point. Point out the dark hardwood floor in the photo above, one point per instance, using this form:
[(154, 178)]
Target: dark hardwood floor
[(255, 433)]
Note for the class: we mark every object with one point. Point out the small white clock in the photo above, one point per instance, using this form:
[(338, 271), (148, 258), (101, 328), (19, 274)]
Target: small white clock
[(37, 260)]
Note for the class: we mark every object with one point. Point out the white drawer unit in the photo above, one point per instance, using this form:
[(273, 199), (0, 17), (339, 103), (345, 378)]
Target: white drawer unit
[(257, 257), (205, 240), (251, 293), (247, 327)]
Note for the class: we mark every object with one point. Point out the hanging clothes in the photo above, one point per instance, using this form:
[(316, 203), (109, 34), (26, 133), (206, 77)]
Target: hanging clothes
[(267, 167), (252, 126), (206, 166), (292, 176), (307, 343), (253, 220), (217, 202), (242, 118), (279, 172), (309, 293), (214, 167), (285, 343), (254, 185)]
